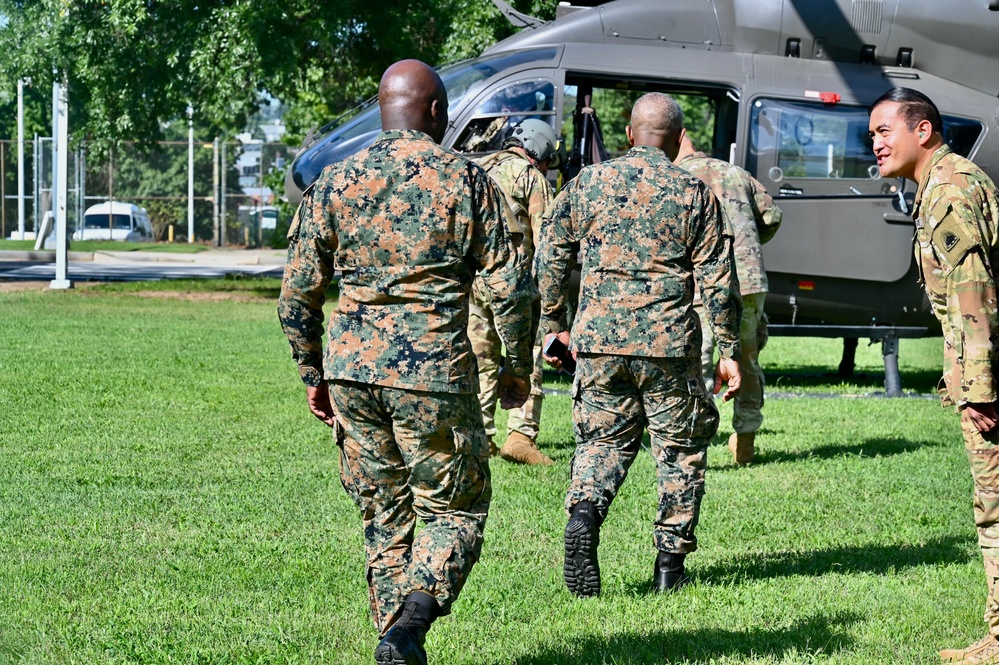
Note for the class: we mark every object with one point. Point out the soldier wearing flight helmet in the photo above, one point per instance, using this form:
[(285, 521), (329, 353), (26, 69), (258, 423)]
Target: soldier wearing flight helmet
[(531, 148)]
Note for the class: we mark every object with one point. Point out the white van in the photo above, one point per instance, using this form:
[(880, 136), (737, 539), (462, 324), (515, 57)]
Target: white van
[(115, 221)]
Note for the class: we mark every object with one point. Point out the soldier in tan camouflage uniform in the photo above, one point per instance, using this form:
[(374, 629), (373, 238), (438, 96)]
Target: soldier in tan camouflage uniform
[(752, 219), (957, 252), (519, 170), (646, 230), (407, 222)]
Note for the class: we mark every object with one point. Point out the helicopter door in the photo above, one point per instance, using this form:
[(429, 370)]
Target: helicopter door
[(841, 219)]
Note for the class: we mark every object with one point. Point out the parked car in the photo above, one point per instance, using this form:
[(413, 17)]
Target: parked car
[(115, 220)]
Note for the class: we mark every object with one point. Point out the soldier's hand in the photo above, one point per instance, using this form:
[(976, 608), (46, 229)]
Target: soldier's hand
[(513, 391), (319, 403), (727, 372), (983, 416), (552, 360)]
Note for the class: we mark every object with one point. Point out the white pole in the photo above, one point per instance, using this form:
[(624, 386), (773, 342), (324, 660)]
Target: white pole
[(61, 142), (36, 206), (217, 235), (20, 158), (222, 198), (190, 174)]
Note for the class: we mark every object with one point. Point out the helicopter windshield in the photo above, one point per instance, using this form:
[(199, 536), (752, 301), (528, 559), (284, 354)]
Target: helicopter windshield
[(358, 128)]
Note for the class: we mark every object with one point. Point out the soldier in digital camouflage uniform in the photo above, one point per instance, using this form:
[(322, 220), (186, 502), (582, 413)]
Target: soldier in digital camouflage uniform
[(646, 231), (752, 219), (407, 222), (519, 171), (957, 252)]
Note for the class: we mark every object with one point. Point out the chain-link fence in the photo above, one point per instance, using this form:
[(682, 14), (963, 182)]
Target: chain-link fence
[(237, 188)]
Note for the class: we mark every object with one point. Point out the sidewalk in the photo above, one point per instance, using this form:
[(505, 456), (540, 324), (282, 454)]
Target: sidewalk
[(211, 257)]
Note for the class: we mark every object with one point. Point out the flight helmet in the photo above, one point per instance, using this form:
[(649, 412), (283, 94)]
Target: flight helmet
[(539, 140)]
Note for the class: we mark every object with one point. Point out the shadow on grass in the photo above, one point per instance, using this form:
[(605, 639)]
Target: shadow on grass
[(877, 559), (825, 634), (871, 448), (810, 376)]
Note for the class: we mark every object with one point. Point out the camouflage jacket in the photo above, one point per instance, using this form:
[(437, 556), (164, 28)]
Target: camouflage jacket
[(645, 230), (407, 223), (957, 251), (751, 216), (526, 188)]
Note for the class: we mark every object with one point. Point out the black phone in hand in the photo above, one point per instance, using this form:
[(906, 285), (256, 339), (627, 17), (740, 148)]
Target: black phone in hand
[(556, 349)]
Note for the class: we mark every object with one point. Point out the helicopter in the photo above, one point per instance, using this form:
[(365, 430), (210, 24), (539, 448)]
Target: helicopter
[(778, 87)]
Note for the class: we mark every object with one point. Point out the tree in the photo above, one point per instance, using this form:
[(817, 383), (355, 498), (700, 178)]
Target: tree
[(133, 65)]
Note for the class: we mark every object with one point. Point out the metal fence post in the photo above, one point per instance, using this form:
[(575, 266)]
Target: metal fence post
[(20, 158), (190, 174), (216, 226), (36, 191), (3, 191), (222, 194)]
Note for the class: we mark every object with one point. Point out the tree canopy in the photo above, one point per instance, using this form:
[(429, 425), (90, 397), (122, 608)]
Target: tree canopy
[(135, 65)]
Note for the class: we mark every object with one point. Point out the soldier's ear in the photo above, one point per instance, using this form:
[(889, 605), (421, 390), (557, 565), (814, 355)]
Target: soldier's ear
[(925, 129), (630, 135), (438, 117)]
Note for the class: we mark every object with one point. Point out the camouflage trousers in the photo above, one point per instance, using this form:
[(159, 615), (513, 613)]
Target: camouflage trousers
[(983, 454), (747, 409), (615, 398), (488, 347), (406, 454)]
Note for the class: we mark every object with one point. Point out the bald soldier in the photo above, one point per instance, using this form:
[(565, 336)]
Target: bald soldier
[(409, 224), (957, 252), (647, 231)]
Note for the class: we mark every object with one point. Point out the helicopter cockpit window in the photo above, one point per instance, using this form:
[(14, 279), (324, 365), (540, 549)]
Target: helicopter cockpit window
[(497, 115), (358, 128)]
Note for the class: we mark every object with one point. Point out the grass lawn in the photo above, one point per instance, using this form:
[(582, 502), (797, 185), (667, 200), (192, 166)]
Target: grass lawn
[(167, 498), (111, 246)]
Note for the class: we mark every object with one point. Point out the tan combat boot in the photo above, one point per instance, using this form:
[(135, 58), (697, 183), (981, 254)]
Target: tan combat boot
[(741, 446), (983, 652), (493, 448), (522, 450)]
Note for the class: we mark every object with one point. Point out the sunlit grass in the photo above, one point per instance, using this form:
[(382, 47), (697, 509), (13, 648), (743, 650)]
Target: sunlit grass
[(167, 498)]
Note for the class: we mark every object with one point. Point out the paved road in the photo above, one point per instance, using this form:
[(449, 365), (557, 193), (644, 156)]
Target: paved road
[(140, 266), (126, 272)]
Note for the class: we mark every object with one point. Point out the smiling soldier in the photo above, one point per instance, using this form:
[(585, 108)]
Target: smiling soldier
[(957, 251)]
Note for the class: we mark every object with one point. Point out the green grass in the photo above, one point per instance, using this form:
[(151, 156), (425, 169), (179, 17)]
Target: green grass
[(236, 284), (111, 246), (167, 498)]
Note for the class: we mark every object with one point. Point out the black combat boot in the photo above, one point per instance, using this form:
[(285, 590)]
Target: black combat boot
[(403, 643), (669, 575), (582, 537)]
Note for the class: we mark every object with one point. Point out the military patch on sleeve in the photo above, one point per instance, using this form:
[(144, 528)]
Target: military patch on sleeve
[(296, 219), (953, 240), (296, 223)]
